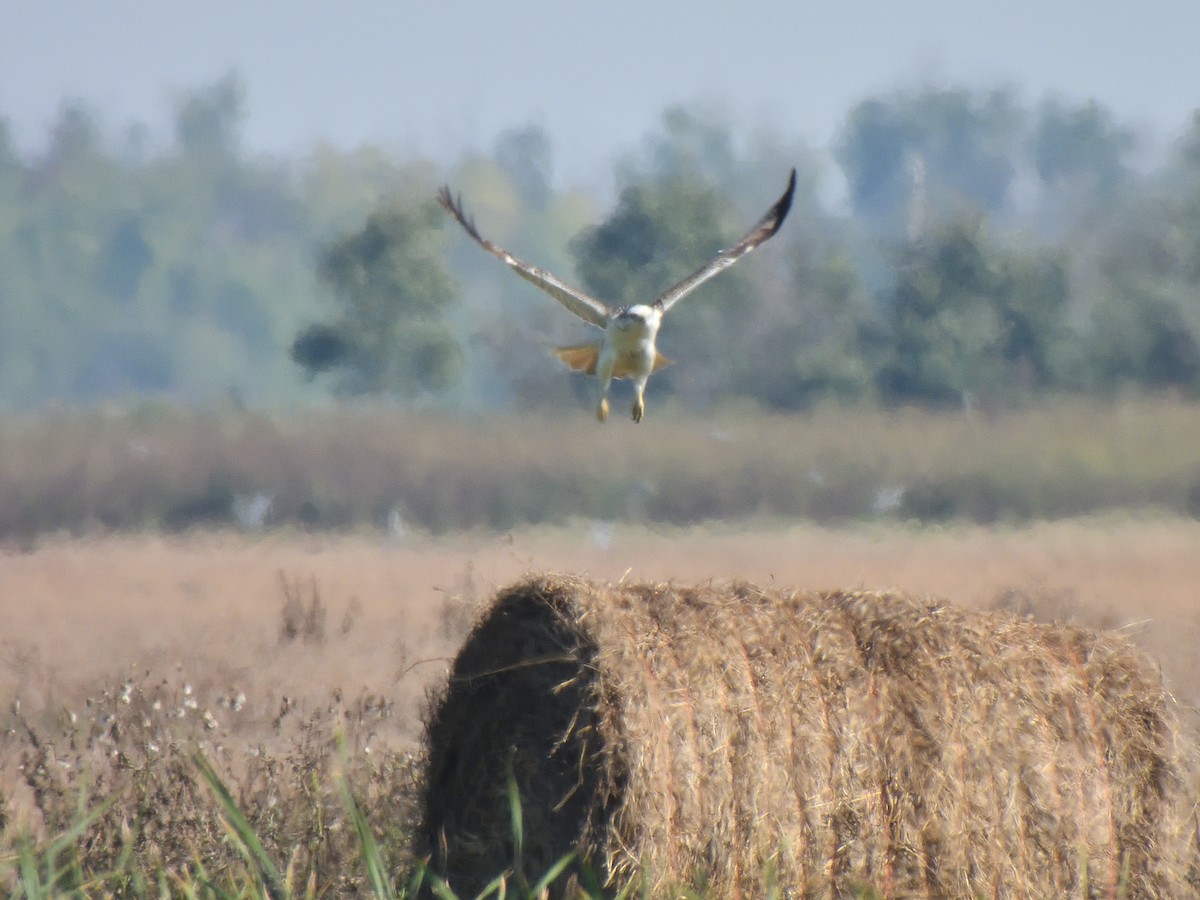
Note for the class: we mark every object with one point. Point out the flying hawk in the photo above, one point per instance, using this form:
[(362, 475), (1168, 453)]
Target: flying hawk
[(627, 349)]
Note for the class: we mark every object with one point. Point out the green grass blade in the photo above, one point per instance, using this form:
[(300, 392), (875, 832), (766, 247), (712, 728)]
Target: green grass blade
[(518, 826), (441, 888), (589, 881), (552, 874), (40, 872), (1122, 891), (417, 879), (30, 880), (372, 858), (187, 887), (72, 834), (249, 844), (497, 886)]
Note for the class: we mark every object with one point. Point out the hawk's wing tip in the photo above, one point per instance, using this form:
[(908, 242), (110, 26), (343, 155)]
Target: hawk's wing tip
[(784, 205)]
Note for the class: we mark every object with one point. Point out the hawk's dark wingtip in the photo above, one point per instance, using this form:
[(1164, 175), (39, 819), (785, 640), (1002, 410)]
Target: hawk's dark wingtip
[(446, 199), (783, 205), (453, 205)]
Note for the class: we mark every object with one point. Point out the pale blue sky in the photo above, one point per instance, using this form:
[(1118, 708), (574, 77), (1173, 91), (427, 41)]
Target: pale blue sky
[(438, 77)]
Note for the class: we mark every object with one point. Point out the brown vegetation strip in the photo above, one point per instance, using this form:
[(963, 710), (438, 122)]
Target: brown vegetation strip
[(721, 733)]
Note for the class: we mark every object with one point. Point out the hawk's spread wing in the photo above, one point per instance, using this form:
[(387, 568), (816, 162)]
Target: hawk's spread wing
[(766, 227), (587, 308)]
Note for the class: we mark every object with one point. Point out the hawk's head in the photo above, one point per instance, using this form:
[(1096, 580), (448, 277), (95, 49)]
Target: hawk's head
[(638, 317)]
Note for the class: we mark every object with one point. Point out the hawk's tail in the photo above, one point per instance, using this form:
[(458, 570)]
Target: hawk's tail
[(583, 358), (580, 357)]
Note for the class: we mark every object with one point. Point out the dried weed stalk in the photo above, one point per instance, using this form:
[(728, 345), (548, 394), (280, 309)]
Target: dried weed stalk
[(130, 755)]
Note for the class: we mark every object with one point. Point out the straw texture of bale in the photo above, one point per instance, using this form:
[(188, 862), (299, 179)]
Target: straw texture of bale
[(730, 736)]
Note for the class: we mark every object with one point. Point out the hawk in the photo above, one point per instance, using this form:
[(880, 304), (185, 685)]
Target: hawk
[(628, 348)]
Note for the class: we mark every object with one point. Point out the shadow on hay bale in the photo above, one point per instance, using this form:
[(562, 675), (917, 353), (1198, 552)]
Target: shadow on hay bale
[(728, 734)]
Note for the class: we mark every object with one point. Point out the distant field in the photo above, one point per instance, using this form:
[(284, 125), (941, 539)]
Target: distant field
[(162, 469), (210, 606)]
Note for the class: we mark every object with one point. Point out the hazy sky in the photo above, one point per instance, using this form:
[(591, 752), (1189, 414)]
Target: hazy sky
[(436, 77)]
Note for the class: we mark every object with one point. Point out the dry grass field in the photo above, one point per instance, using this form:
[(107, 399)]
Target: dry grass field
[(250, 630), (78, 613)]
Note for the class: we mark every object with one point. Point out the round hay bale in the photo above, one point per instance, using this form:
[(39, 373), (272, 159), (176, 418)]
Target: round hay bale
[(734, 736)]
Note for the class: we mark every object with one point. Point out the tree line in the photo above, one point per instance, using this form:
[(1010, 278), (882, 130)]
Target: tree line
[(981, 249)]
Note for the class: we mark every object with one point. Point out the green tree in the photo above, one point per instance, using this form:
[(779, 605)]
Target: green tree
[(818, 345), (1079, 155), (693, 144), (933, 152), (124, 257), (1145, 338), (208, 120), (968, 319), (391, 290), (1145, 282), (525, 155), (1082, 145)]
